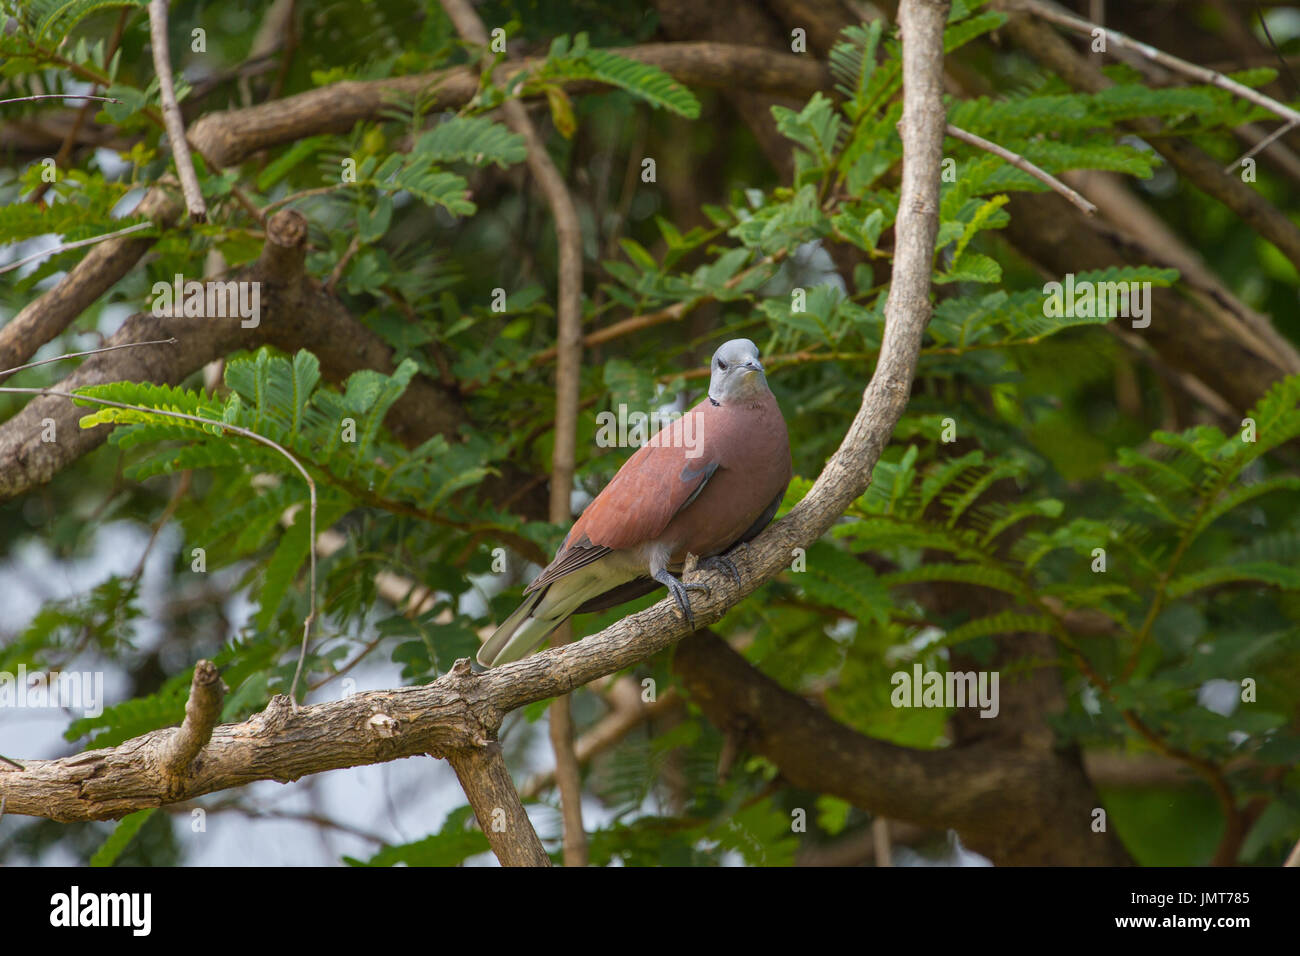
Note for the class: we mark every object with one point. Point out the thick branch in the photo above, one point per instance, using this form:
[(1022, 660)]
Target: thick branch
[(484, 777), (996, 797)]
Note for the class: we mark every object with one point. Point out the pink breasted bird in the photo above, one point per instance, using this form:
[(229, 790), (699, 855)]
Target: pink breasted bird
[(707, 482)]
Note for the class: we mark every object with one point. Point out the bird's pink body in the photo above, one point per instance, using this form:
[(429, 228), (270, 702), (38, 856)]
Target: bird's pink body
[(645, 505)]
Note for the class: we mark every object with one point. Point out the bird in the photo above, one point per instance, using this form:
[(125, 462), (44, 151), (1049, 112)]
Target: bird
[(703, 484)]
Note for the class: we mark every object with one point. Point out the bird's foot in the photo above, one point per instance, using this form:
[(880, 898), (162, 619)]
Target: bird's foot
[(681, 594), (720, 562)]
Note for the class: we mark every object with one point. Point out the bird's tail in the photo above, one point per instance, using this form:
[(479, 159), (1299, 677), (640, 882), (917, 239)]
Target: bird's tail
[(519, 634)]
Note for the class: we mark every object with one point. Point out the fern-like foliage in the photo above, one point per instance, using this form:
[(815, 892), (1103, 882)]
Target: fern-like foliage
[(576, 60)]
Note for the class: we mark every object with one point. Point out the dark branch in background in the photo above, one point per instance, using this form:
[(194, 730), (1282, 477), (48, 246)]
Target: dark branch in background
[(171, 111), (229, 137), (995, 796)]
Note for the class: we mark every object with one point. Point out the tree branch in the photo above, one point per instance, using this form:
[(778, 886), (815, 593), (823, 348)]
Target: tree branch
[(171, 111), (994, 795), (483, 775), (1018, 161), (202, 710), (229, 137), (295, 313)]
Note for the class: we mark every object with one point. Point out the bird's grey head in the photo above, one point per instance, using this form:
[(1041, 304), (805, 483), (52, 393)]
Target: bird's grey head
[(736, 373)]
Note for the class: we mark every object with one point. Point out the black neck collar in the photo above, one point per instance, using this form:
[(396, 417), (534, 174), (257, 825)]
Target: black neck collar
[(716, 403)]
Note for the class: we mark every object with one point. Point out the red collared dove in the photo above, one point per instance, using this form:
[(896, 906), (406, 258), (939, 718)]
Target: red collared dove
[(711, 480)]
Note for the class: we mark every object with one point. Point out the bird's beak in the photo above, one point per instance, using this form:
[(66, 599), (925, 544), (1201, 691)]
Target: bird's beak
[(754, 365)]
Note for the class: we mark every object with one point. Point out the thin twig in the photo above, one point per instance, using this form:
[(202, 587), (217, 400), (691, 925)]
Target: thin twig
[(74, 245), (60, 96), (1259, 147), (302, 194), (182, 488), (1052, 14), (1024, 165), (238, 430), (315, 819), (108, 348), (12, 763), (337, 272), (171, 110)]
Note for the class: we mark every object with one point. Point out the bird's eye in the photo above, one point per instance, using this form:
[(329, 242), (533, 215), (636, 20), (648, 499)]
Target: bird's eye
[(721, 364)]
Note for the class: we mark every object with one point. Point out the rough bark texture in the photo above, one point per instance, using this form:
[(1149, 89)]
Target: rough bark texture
[(486, 781)]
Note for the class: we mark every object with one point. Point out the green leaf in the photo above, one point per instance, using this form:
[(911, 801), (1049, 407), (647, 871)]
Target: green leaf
[(121, 836), (642, 80), (1005, 622), (472, 139), (1263, 572)]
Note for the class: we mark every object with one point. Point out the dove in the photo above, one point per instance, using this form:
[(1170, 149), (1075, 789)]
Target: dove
[(703, 484)]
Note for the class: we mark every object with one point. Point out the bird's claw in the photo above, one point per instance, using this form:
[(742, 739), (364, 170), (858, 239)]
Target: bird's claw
[(681, 594), (720, 562)]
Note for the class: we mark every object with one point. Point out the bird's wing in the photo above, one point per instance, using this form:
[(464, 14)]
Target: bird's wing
[(659, 480)]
